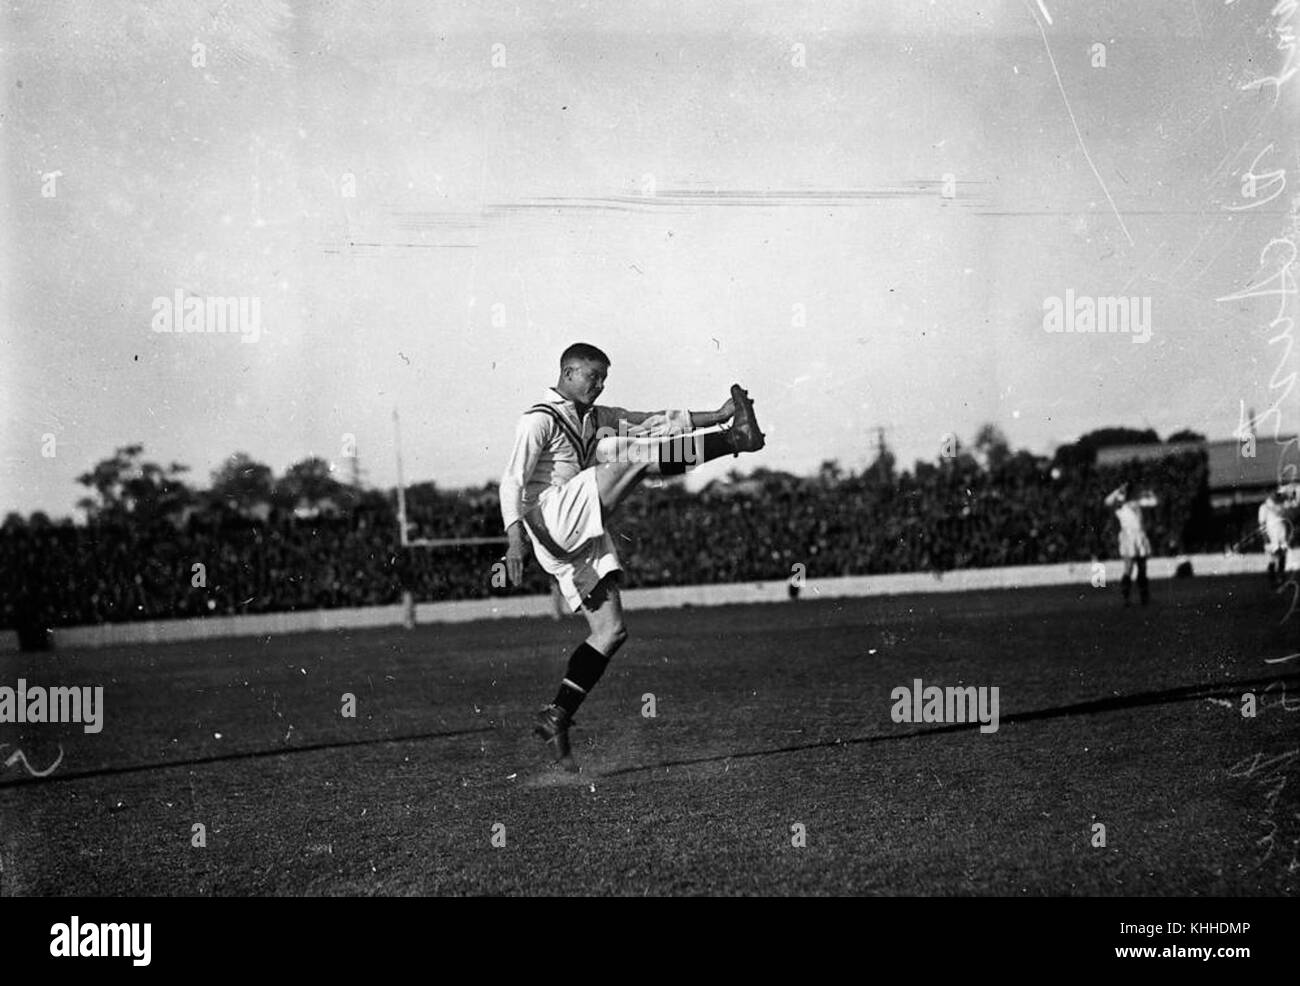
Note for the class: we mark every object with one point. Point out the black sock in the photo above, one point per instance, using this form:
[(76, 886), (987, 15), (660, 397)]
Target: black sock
[(679, 454), (1125, 585), (585, 668)]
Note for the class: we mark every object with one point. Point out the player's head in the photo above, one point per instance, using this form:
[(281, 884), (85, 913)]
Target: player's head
[(583, 369)]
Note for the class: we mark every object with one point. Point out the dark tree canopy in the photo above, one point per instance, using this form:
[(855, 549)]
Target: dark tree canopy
[(310, 483), (992, 445), (1084, 451), (126, 486), (243, 483)]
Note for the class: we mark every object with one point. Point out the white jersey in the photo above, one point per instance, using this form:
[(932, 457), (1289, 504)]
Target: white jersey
[(553, 444), (1273, 519), (1130, 519), (1133, 541)]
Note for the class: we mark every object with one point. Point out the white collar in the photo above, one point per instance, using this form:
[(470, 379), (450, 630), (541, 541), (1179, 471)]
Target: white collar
[(553, 396)]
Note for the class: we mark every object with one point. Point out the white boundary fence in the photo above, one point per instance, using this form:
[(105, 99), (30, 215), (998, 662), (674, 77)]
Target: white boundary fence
[(461, 611)]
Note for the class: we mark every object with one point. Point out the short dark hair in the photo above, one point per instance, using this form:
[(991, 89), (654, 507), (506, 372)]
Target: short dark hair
[(585, 352)]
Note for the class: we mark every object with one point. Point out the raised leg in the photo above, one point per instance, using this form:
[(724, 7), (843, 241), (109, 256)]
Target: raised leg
[(623, 461), (615, 480)]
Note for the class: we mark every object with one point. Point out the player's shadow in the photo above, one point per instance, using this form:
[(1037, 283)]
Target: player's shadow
[(76, 775), (1222, 690)]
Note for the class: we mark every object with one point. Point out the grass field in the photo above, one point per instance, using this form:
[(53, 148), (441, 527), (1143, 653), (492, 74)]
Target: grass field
[(768, 717)]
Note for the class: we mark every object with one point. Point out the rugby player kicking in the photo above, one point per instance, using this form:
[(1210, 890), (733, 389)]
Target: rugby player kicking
[(1134, 545), (572, 464)]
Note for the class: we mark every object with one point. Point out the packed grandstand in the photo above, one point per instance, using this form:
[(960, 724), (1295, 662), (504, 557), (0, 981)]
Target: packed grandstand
[(216, 557)]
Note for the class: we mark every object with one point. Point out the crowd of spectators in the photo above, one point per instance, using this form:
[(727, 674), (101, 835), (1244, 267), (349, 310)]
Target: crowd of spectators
[(954, 514)]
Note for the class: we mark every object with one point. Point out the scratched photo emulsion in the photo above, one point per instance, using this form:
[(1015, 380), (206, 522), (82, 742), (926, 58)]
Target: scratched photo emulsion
[(715, 449)]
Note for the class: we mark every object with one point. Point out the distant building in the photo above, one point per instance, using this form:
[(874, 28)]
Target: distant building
[(1234, 479)]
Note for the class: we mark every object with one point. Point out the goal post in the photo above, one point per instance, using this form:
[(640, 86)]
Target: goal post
[(408, 543)]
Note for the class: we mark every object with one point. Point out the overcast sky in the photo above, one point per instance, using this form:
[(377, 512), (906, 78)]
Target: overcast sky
[(711, 192)]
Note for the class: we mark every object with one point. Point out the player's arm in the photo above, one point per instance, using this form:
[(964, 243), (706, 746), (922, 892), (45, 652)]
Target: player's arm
[(531, 436), (1115, 496), (1147, 499)]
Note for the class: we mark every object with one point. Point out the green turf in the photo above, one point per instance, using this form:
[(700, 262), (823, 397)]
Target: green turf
[(768, 716)]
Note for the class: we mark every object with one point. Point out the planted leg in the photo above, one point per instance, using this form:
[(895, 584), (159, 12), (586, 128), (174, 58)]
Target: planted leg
[(603, 610)]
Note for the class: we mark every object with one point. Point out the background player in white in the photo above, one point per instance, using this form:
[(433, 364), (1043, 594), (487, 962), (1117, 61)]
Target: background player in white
[(572, 464), (1277, 531), (1134, 546)]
